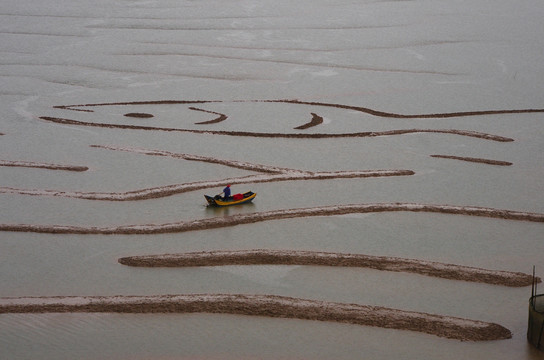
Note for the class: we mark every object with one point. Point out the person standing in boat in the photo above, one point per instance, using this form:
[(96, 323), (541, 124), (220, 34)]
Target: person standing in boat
[(226, 191)]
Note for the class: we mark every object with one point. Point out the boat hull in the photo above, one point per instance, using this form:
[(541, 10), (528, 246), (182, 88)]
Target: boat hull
[(219, 201)]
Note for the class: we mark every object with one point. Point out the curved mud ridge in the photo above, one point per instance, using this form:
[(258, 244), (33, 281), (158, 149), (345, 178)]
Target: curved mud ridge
[(266, 305), (239, 219), (476, 160), (168, 190), (220, 118), (29, 164), (316, 120), (294, 101), (468, 133), (413, 116), (297, 257), (268, 174)]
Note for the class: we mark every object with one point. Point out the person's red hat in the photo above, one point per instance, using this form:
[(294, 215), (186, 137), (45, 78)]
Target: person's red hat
[(228, 185)]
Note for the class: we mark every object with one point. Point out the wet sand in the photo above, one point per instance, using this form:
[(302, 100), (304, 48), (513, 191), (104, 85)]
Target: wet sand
[(265, 305), (296, 257)]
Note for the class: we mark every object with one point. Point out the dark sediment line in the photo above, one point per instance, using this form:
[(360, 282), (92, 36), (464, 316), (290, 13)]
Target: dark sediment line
[(239, 219), (316, 120), (152, 102), (339, 106), (415, 116), (296, 257), (281, 135), (139, 115), (266, 305), (29, 164), (221, 117), (69, 108), (448, 131), (476, 160)]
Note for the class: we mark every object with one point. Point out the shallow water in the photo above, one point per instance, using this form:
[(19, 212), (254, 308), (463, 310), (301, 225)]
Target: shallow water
[(398, 57)]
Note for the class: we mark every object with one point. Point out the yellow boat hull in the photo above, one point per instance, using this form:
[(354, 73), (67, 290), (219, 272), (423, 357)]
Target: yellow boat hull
[(219, 201)]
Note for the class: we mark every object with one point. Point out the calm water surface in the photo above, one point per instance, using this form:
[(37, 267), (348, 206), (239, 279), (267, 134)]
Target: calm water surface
[(401, 57)]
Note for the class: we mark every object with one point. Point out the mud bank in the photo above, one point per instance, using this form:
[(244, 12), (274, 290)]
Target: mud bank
[(266, 305), (294, 257), (476, 160), (29, 164), (239, 219)]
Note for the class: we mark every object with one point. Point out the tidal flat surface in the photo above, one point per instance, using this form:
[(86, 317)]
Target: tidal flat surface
[(306, 88)]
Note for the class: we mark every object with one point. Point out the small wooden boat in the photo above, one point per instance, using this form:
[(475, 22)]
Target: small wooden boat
[(235, 199)]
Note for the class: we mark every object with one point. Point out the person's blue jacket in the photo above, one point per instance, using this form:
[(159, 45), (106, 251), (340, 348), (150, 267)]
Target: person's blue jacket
[(226, 191)]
